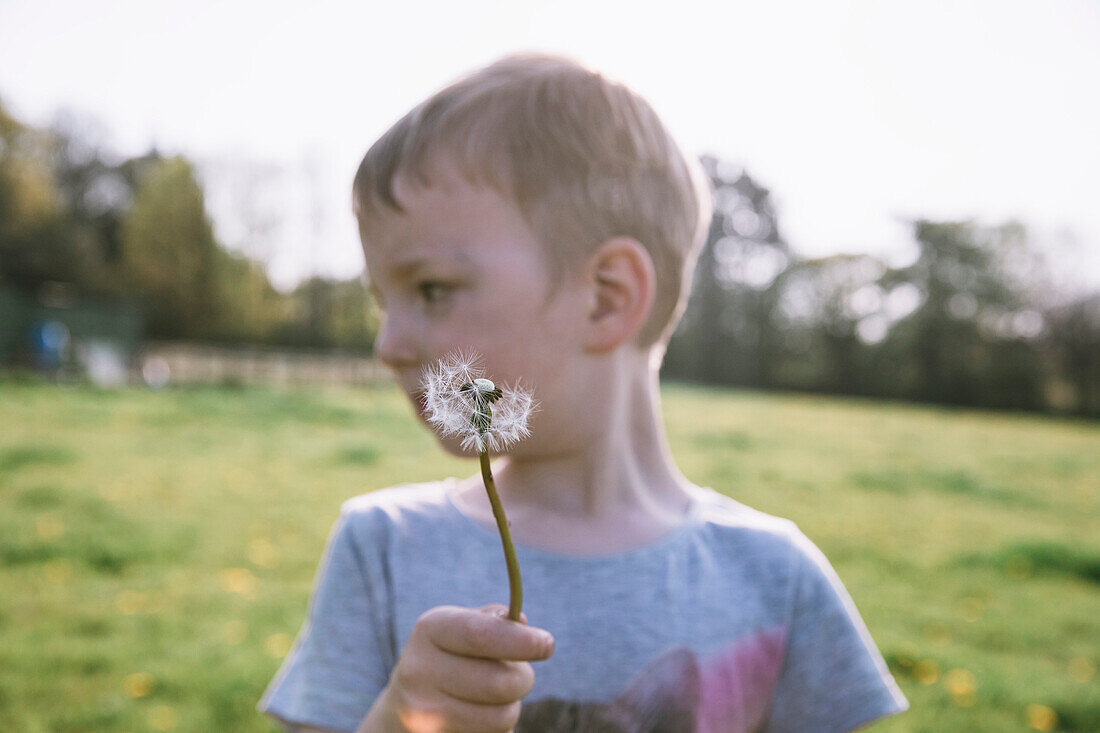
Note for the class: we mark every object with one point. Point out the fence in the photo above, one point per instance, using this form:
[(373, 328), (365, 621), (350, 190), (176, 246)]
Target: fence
[(189, 363)]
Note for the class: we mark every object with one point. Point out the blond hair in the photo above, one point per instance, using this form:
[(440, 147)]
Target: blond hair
[(584, 159)]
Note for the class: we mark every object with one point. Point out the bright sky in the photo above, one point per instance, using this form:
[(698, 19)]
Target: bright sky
[(854, 113)]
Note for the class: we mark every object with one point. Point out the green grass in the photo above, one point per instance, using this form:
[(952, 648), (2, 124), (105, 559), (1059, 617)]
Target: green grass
[(157, 549)]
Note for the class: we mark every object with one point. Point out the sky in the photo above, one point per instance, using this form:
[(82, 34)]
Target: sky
[(855, 114)]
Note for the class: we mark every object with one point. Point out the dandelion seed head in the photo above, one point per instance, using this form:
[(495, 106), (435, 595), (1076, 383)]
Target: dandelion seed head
[(450, 409)]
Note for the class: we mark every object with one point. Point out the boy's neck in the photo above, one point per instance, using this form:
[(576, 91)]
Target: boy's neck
[(619, 489)]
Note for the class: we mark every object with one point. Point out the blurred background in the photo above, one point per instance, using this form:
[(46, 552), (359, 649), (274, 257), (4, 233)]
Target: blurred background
[(905, 213), (906, 194)]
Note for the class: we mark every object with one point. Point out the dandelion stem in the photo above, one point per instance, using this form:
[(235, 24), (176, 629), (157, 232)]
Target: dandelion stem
[(514, 582)]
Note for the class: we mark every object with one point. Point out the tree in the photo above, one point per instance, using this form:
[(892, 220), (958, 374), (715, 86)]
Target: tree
[(828, 313), (971, 304), (1073, 338), (35, 246), (61, 204), (170, 256), (249, 308), (331, 313), (728, 332)]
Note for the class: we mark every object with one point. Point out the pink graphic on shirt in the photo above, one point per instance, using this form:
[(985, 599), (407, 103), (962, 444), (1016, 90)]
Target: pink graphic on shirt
[(738, 683), (729, 693)]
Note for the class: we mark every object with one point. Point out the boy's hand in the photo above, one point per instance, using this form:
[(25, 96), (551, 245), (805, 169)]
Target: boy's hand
[(463, 670)]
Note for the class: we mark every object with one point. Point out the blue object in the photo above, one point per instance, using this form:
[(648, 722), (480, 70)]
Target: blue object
[(49, 341)]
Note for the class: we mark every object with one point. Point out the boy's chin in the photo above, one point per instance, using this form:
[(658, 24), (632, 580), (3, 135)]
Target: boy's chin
[(454, 447)]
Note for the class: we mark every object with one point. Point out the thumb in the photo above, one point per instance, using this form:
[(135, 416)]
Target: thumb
[(501, 611)]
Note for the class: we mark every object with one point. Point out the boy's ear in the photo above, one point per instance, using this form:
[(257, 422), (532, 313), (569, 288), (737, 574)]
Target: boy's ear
[(622, 284)]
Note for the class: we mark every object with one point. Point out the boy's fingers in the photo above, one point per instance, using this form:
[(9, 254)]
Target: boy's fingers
[(484, 681), (475, 633)]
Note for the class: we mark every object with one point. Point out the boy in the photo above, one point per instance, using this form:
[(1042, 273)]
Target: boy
[(541, 215)]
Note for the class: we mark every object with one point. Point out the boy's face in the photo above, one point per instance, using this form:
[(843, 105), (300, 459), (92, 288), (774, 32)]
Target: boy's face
[(459, 269)]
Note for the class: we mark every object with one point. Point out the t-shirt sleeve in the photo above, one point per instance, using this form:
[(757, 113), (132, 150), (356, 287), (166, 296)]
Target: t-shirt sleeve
[(833, 678), (338, 663)]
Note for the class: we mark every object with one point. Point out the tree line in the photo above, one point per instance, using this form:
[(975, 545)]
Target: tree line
[(137, 230), (970, 321)]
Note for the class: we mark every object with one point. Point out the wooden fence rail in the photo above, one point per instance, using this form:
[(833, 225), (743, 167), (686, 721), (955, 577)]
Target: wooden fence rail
[(189, 363)]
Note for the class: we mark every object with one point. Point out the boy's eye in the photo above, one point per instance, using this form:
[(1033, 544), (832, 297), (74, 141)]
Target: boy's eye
[(433, 292)]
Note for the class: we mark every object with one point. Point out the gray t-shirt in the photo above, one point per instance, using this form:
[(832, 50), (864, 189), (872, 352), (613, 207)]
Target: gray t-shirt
[(733, 622)]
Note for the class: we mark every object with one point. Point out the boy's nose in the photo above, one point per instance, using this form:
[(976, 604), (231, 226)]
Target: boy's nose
[(392, 345)]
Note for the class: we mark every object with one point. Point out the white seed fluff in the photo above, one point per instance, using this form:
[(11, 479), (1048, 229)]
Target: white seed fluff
[(450, 408)]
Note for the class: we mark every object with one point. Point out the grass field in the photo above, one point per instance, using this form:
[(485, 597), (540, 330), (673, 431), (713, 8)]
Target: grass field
[(157, 549)]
